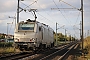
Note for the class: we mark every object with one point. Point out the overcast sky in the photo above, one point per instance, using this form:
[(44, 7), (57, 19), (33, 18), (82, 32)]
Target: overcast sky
[(68, 18)]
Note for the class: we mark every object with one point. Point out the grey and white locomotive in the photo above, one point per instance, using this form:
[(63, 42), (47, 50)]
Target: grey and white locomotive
[(33, 35)]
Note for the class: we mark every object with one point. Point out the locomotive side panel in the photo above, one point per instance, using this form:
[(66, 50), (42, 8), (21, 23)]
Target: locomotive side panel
[(48, 36)]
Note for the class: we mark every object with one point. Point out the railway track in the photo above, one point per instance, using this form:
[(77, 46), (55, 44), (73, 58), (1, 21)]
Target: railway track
[(52, 54), (63, 57), (16, 56), (60, 54), (22, 55), (56, 53)]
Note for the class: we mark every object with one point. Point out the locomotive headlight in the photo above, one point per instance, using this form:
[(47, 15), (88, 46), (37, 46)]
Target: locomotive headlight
[(16, 40), (32, 40)]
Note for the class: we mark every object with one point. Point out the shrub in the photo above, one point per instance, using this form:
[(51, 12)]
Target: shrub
[(4, 44)]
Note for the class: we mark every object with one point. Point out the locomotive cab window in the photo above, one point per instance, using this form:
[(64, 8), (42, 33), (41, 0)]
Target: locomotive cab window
[(28, 26)]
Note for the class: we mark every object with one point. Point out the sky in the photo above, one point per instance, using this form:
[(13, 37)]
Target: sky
[(48, 12)]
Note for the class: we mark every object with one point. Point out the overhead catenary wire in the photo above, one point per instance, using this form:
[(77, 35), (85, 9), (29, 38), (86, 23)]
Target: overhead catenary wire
[(43, 9), (59, 10), (44, 17), (62, 13), (64, 8), (38, 13), (12, 23), (73, 8), (26, 6), (45, 12), (41, 16), (75, 32), (65, 13), (77, 18), (69, 4), (9, 30), (76, 24), (30, 4)]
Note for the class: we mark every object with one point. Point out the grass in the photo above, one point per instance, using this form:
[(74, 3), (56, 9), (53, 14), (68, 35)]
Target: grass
[(87, 46), (88, 55), (6, 47), (6, 50), (79, 55)]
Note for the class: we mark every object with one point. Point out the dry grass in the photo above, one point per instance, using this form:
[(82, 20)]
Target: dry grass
[(87, 42), (87, 45), (88, 55), (6, 50)]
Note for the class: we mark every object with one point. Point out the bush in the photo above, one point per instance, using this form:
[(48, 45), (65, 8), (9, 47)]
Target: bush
[(4, 44)]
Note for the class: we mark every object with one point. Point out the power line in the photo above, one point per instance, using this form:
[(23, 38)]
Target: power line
[(65, 13), (71, 8), (64, 8), (30, 4), (45, 17), (77, 18), (26, 6), (38, 13), (59, 10), (69, 4), (75, 32), (46, 12)]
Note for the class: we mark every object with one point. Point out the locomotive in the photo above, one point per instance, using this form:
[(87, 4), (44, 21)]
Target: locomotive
[(33, 35)]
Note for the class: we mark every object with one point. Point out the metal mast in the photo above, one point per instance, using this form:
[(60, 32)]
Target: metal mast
[(56, 33), (82, 21), (80, 30), (65, 35), (18, 12)]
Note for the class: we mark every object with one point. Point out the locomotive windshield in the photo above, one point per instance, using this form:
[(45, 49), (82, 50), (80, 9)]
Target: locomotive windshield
[(29, 26)]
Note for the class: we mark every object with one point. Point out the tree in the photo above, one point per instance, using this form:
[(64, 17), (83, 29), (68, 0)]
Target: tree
[(2, 36)]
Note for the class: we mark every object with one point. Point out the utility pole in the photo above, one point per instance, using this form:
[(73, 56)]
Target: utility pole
[(82, 22), (7, 30), (87, 33), (80, 31), (13, 18), (65, 35), (18, 12), (81, 16), (56, 33)]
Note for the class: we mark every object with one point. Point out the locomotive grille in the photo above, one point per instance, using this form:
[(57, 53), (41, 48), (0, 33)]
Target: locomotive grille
[(24, 39)]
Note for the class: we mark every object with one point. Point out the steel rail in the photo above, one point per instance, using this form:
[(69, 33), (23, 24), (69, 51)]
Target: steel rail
[(57, 51)]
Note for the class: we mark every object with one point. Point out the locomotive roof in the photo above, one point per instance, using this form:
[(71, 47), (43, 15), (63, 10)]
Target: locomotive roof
[(34, 21), (27, 21)]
